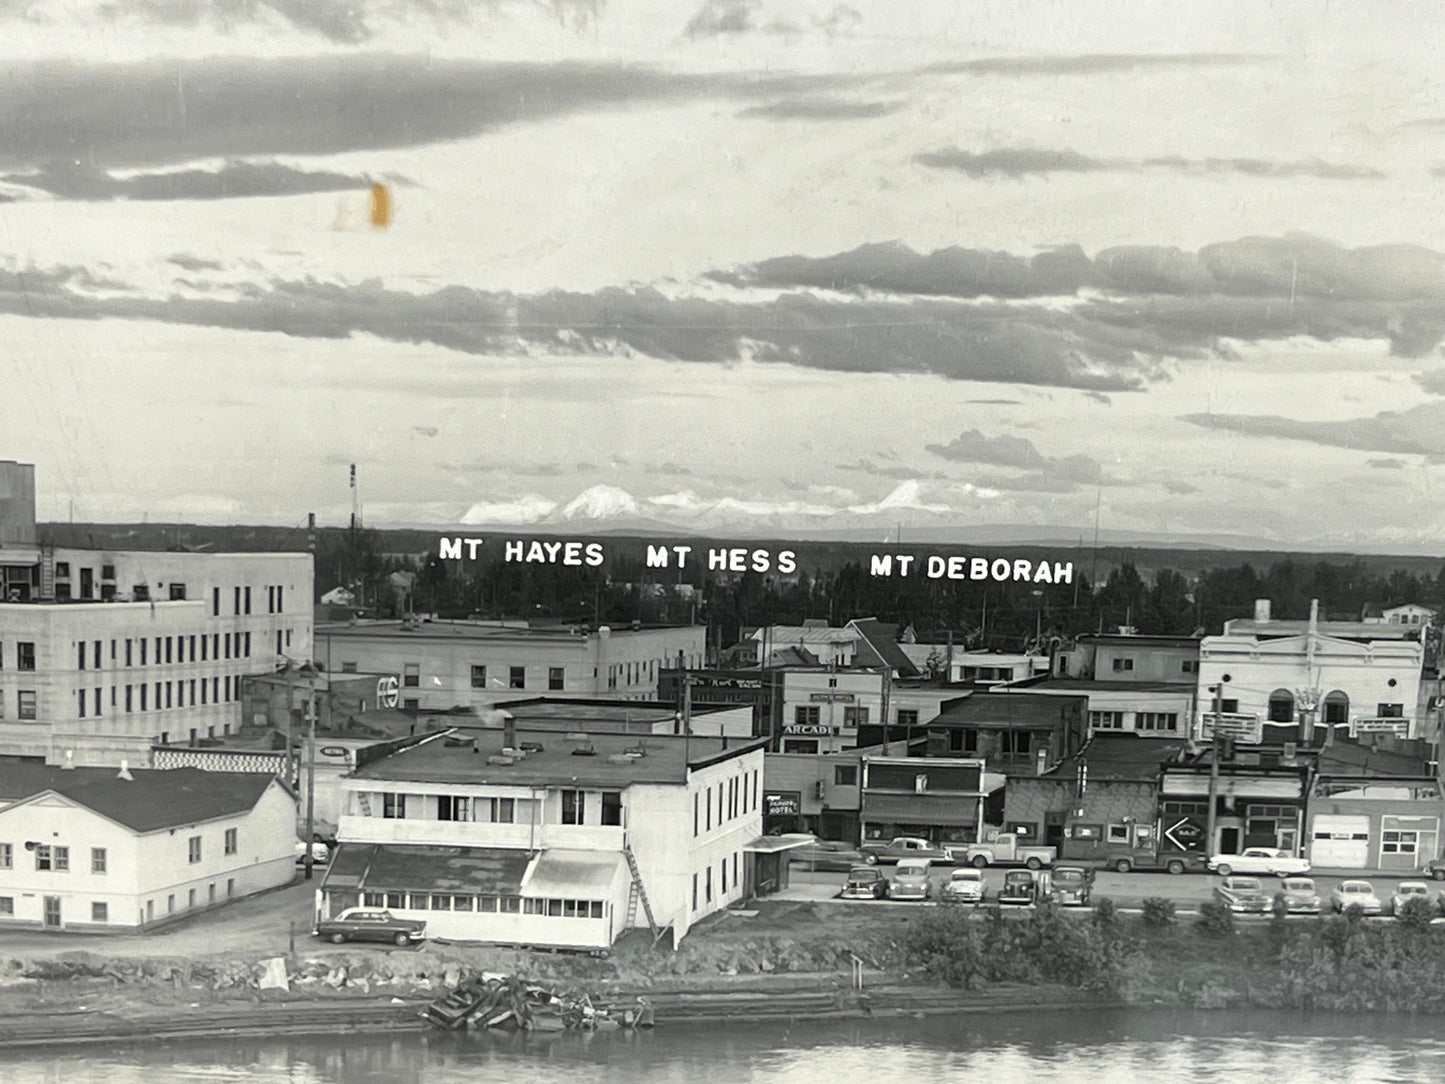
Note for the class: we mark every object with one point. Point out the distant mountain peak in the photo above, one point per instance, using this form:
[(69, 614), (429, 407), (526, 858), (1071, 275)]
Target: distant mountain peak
[(601, 502)]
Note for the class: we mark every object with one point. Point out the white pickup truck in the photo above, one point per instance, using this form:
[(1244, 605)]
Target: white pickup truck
[(1005, 850)]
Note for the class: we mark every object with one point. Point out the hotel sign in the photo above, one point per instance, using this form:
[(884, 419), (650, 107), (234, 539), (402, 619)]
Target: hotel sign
[(831, 698), (1245, 728), (1383, 725), (782, 803)]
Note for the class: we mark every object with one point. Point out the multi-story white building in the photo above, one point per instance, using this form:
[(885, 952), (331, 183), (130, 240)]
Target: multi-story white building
[(1293, 681), (446, 664), (544, 838), (96, 849), (97, 682)]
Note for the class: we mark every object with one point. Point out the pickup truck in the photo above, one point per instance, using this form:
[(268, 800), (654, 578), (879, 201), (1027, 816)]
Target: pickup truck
[(1006, 850), (905, 847)]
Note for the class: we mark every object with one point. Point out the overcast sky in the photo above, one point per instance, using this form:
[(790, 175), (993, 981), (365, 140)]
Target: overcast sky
[(747, 265)]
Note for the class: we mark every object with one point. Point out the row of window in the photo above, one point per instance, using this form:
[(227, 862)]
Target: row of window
[(1124, 665), (854, 716), (1143, 720), (241, 599), (631, 673), (578, 807), (506, 905), (168, 650), (51, 858), (736, 797), (706, 883), (168, 694)]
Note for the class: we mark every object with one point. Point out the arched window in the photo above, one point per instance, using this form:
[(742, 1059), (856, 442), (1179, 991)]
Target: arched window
[(1335, 709), (1281, 706)]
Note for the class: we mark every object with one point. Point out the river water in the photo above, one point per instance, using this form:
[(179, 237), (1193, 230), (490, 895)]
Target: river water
[(1162, 1047)]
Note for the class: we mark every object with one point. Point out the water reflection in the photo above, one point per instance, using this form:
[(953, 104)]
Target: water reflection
[(1157, 1047)]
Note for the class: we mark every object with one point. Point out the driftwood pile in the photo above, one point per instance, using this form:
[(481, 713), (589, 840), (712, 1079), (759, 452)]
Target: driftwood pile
[(497, 1001)]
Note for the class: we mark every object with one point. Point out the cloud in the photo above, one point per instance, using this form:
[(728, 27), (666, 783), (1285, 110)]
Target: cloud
[(1009, 451), (1433, 381), (73, 180), (1099, 397), (1386, 464), (1179, 488), (192, 263), (867, 466), (822, 109), (1010, 162), (717, 17), (1018, 162), (162, 112), (424, 430), (994, 402), (528, 509), (1417, 431), (1091, 63), (668, 468)]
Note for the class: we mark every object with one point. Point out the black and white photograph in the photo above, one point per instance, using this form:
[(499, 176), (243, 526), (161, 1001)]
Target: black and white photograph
[(756, 540)]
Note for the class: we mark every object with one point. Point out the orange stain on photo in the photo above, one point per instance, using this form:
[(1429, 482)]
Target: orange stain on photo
[(380, 206)]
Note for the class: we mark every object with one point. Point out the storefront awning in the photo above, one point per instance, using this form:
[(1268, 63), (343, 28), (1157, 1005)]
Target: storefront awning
[(572, 874), (918, 809), (788, 841), (1237, 787), (457, 870)]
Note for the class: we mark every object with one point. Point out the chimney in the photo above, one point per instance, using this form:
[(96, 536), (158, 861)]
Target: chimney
[(1261, 611), (69, 759), (124, 772), (509, 731)]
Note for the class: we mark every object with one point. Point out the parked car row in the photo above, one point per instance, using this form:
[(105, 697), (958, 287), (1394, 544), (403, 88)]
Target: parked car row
[(1248, 895), (910, 881)]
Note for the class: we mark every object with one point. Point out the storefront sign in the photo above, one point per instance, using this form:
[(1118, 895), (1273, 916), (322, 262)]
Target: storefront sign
[(832, 698), (387, 689), (1184, 834), (1240, 727), (782, 803), (814, 729), (1400, 727)]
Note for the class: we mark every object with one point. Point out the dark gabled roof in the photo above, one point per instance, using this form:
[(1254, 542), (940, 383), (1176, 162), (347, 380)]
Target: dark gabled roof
[(989, 709), (793, 656), (152, 799), (1351, 758), (1122, 756), (880, 647)]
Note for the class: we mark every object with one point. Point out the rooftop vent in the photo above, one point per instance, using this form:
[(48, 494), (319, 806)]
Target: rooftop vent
[(620, 758), (635, 751), (586, 750), (579, 735), (502, 761), (515, 754), (532, 747), (457, 742)]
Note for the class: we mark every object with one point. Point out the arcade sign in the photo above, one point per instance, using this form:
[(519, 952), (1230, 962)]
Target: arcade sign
[(387, 691), (813, 729)]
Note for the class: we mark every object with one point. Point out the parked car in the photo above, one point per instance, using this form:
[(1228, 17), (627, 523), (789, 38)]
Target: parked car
[(905, 847), (1022, 887), (1349, 893), (865, 883), (1406, 891), (827, 854), (910, 880), (1300, 896), (1073, 884), (964, 886), (1243, 895), (1259, 860), (370, 924), (320, 853), (1436, 868)]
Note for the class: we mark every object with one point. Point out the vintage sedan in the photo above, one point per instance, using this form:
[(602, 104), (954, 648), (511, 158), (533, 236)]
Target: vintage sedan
[(1436, 868), (1073, 885), (1406, 891), (1300, 896), (964, 886), (1349, 894), (370, 924), (865, 883), (1243, 895), (1022, 887), (905, 847), (910, 880), (1259, 860), (827, 854)]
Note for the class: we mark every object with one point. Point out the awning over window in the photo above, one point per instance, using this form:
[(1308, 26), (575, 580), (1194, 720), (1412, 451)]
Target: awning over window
[(461, 871), (572, 874), (772, 844), (918, 809)]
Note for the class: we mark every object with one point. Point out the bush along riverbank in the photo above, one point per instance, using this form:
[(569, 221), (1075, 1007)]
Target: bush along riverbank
[(1336, 962)]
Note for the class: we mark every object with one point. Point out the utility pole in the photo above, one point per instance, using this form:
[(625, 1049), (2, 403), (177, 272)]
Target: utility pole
[(1210, 815), (311, 780)]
